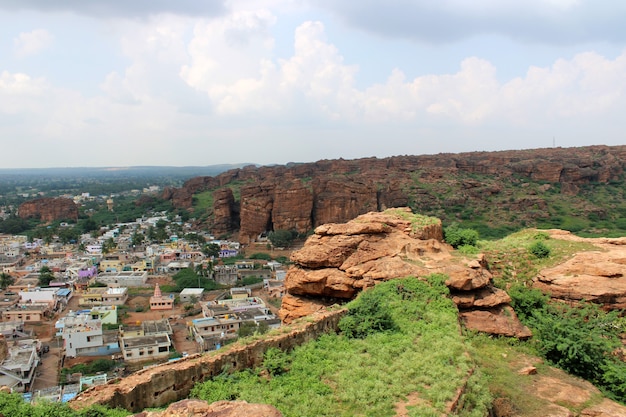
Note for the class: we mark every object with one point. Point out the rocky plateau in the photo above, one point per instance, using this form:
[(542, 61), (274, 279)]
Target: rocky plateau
[(300, 197)]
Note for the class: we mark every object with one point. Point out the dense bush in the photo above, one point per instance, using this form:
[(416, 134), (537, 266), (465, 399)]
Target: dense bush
[(580, 340), (282, 238), (13, 405), (275, 361), (539, 249), (91, 368), (456, 236), (188, 278), (367, 314)]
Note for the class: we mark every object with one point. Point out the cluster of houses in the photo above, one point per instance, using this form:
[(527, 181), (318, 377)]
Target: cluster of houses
[(93, 329), (222, 319)]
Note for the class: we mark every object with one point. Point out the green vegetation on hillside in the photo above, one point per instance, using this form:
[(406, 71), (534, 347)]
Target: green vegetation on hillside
[(417, 352), (13, 405)]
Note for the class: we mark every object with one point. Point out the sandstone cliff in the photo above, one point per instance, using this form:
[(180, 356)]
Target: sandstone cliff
[(596, 276), (340, 260), (49, 209), (304, 196)]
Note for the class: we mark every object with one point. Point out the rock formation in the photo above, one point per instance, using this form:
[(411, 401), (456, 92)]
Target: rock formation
[(304, 196), (340, 260), (199, 408), (597, 276), (49, 209)]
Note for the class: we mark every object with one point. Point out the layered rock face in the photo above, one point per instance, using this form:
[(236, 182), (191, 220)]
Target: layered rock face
[(304, 196), (49, 209), (340, 260), (199, 408), (595, 276)]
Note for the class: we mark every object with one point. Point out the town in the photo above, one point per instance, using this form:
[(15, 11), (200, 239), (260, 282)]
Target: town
[(80, 311)]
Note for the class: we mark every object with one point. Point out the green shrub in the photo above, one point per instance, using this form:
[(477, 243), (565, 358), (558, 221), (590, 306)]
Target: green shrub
[(526, 301), (541, 236), (261, 256), (456, 236), (539, 249), (368, 314), (282, 238), (275, 362), (578, 340)]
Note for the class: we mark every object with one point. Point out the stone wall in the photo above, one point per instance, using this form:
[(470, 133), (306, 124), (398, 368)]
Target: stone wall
[(163, 384)]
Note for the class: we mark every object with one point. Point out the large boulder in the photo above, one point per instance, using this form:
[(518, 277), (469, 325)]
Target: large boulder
[(596, 276), (340, 260)]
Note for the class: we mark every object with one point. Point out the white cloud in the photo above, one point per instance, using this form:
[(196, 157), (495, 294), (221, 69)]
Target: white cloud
[(186, 85), (31, 43), (316, 82)]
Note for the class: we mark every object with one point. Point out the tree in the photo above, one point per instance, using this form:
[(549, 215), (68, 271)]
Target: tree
[(282, 238), (195, 238), (45, 276), (211, 250), (188, 278), (88, 225), (108, 245), (5, 280), (137, 238)]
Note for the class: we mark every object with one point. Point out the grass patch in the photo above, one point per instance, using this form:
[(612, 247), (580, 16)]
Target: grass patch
[(511, 260), (203, 201), (335, 375), (417, 220)]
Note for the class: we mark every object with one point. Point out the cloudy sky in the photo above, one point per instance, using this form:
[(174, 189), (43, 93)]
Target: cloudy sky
[(190, 82)]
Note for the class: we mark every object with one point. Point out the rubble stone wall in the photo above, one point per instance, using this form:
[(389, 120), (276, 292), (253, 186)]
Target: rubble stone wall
[(166, 383)]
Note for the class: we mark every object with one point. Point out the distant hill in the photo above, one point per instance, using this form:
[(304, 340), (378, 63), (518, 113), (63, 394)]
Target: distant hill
[(576, 189), (116, 172), (28, 182)]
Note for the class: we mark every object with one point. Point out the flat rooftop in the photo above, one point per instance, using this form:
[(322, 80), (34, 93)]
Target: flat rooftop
[(145, 341)]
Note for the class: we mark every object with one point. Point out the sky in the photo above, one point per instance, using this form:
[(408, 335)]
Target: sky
[(94, 83)]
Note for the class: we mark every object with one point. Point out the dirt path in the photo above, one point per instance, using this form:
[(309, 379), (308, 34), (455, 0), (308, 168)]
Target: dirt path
[(47, 374)]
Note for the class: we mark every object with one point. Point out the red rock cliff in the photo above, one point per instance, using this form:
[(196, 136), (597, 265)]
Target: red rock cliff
[(49, 209), (304, 196)]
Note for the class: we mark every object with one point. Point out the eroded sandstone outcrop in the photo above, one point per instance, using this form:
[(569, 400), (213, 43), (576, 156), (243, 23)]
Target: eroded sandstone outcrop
[(304, 196), (49, 209), (340, 260), (199, 408), (597, 276)]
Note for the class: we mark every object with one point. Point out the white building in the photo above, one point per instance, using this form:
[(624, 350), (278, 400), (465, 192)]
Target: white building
[(79, 331), (17, 371)]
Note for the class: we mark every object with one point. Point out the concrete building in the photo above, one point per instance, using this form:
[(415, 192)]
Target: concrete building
[(210, 333), (29, 313), (144, 348), (17, 370), (187, 294), (241, 303), (104, 296), (225, 274), (237, 293), (124, 278), (80, 331), (39, 296)]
